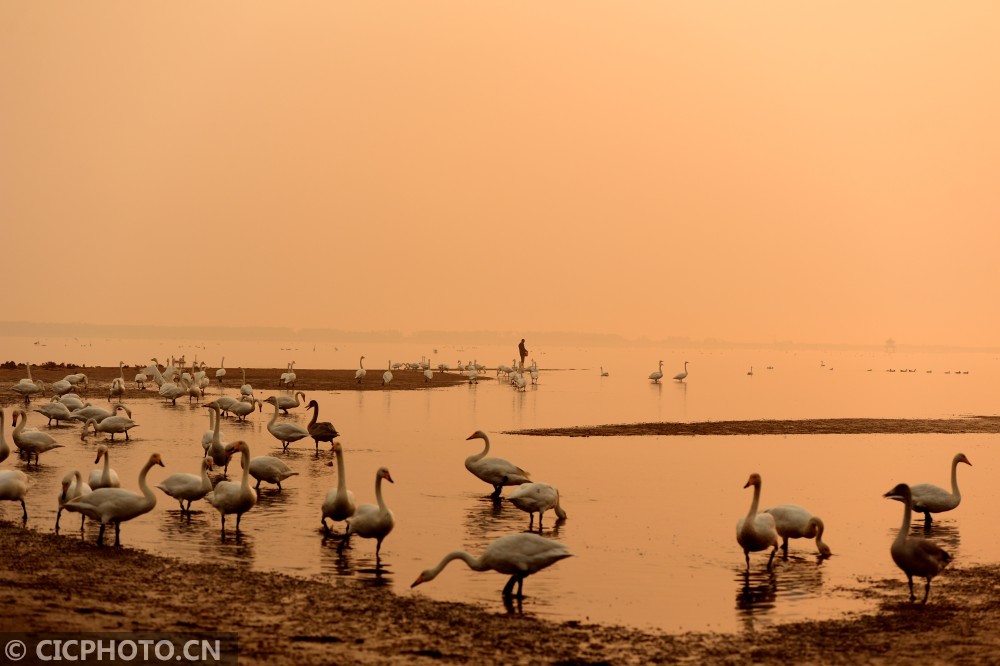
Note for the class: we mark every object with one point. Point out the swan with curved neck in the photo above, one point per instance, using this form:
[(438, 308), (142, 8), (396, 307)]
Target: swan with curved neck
[(188, 487), (495, 471), (370, 521), (72, 487), (116, 505), (794, 522), (219, 452), (756, 531), (322, 431), (286, 402), (112, 425), (928, 498), (286, 433), (537, 498), (360, 373), (915, 556), (516, 555), (31, 441), (657, 375), (104, 477), (339, 503), (228, 497)]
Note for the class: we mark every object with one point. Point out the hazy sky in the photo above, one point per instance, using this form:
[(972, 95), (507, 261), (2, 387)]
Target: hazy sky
[(809, 171)]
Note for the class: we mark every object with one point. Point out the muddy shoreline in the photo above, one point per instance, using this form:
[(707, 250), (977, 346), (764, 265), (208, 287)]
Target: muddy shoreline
[(60, 583)]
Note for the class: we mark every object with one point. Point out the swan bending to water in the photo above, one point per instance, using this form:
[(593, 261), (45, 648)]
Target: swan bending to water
[(516, 555), (322, 431), (270, 469), (682, 375), (756, 531), (657, 375), (339, 502), (537, 497), (104, 477), (495, 471), (55, 411), (72, 487), (286, 402), (31, 441), (928, 498), (188, 487), (115, 505), (370, 521), (238, 498), (794, 522), (915, 556), (286, 433)]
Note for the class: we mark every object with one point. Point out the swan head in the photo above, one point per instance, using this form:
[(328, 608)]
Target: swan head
[(155, 459), (383, 473), (960, 458), (479, 434), (754, 480), (423, 578), (102, 450), (900, 493), (312, 405), (207, 462)]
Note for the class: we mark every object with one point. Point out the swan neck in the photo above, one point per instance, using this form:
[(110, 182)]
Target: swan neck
[(954, 479), (907, 509), (755, 503), (245, 461), (106, 472), (341, 481), (274, 417), (474, 563), (486, 449), (378, 494), (315, 409), (147, 492)]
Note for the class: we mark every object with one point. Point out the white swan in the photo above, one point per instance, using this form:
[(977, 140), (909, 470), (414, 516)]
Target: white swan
[(31, 441), (680, 376), (28, 389), (72, 487), (98, 413), (55, 411), (794, 522), (104, 477), (533, 371), (339, 502), (243, 408), (226, 403), (245, 389), (495, 471), (428, 375), (928, 498), (117, 389), (270, 469), (238, 498), (209, 435), (915, 556), (112, 425), (215, 448), (220, 374), (72, 400), (140, 380), (657, 375), (116, 505), (370, 521), (536, 498), (286, 402), (188, 487), (286, 433), (387, 375), (13, 488), (756, 531), (322, 431), (171, 391), (61, 386), (515, 555), (360, 373), (288, 378)]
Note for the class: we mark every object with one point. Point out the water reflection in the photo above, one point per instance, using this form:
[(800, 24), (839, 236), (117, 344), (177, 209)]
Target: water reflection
[(354, 560), (797, 578), (945, 535), (757, 592)]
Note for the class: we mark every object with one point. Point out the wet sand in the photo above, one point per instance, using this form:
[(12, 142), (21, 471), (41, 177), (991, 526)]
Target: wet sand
[(59, 583)]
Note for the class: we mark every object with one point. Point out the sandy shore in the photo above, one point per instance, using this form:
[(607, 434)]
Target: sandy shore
[(59, 583)]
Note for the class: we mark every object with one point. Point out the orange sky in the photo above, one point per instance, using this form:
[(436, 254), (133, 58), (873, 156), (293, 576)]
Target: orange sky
[(809, 171)]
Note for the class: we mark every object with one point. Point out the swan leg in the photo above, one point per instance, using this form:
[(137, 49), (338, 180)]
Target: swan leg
[(238, 517), (126, 434), (927, 590), (181, 502), (58, 515), (118, 529), (746, 554), (784, 547), (508, 589), (257, 487), (496, 492), (100, 536), (279, 486), (82, 520), (326, 529), (912, 596), (770, 560), (378, 546), (25, 510)]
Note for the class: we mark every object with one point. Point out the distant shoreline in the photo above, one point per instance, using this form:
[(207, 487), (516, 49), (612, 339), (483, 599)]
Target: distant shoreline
[(842, 426)]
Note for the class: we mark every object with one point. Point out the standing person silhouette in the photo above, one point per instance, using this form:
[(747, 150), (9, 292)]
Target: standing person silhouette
[(523, 352)]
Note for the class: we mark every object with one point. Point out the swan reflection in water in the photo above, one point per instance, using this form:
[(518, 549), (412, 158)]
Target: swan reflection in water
[(800, 577), (945, 534), (343, 563)]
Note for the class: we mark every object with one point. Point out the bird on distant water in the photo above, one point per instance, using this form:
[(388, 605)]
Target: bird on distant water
[(515, 555), (680, 376), (657, 375), (915, 556)]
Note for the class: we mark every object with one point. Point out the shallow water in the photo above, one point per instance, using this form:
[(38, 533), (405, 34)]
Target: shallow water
[(651, 519)]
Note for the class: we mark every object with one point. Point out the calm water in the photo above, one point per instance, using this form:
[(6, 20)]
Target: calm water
[(651, 520)]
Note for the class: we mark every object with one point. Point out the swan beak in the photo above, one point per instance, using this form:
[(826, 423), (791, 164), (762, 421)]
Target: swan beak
[(388, 478), (418, 581), (747, 484), (892, 495)]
